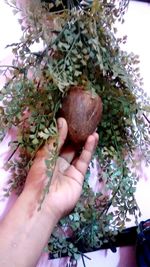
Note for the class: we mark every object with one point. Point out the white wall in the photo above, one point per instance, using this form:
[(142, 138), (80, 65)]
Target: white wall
[(9, 29), (136, 27)]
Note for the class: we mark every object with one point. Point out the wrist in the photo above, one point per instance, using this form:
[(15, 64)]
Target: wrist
[(35, 208), (28, 228)]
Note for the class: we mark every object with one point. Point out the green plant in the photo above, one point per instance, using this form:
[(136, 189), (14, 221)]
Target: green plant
[(80, 47)]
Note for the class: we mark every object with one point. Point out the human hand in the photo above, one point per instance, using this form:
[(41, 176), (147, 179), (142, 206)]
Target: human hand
[(67, 180)]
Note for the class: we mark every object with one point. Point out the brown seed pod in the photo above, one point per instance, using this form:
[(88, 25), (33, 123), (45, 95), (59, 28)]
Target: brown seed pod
[(82, 110)]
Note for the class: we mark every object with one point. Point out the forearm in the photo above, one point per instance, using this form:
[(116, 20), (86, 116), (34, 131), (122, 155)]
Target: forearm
[(24, 232)]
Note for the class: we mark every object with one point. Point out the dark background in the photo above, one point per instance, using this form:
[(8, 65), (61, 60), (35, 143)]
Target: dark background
[(144, 1)]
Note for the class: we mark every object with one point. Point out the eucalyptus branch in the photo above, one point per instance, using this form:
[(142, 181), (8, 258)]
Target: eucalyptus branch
[(120, 180), (49, 174), (98, 46), (71, 47), (67, 56), (34, 154), (113, 197), (41, 55)]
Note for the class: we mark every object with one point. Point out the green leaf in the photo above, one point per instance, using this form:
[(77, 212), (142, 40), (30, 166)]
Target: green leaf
[(49, 173), (35, 141), (43, 135), (48, 163)]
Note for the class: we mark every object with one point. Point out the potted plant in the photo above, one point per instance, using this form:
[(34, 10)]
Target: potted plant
[(80, 49)]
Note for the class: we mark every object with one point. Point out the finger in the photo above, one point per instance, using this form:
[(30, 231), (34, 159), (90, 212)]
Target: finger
[(63, 131), (68, 153), (74, 174), (79, 169), (62, 164), (85, 157), (49, 145), (96, 136)]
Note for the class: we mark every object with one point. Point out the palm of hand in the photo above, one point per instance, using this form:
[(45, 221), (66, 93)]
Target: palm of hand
[(66, 186)]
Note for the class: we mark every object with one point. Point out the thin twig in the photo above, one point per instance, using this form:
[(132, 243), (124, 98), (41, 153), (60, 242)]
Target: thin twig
[(9, 66), (146, 118), (85, 256), (13, 44), (13, 153), (83, 261), (13, 6)]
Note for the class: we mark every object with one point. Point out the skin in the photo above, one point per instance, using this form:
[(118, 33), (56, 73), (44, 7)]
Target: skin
[(24, 232)]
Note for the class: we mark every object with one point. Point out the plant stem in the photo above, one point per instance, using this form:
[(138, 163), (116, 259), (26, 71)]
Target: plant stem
[(13, 153), (146, 118)]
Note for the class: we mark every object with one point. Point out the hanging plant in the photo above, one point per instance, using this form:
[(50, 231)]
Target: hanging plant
[(80, 49)]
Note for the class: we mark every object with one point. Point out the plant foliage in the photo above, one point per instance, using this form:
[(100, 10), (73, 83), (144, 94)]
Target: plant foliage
[(80, 47)]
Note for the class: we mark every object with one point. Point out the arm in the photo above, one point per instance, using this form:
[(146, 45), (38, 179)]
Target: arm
[(25, 231)]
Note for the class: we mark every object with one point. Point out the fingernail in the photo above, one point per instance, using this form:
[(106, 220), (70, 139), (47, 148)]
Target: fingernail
[(60, 123)]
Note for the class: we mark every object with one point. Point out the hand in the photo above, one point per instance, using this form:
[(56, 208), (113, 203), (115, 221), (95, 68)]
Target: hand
[(67, 180), (25, 230)]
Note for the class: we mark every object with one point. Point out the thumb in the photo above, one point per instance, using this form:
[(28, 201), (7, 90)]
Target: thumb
[(62, 135), (62, 131)]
